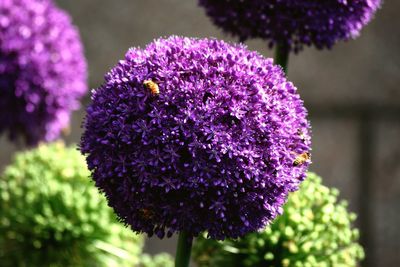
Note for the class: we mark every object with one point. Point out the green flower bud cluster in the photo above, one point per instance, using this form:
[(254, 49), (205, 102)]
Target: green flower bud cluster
[(52, 215), (315, 229)]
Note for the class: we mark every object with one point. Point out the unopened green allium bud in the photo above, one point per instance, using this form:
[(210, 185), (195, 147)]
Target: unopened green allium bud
[(314, 230), (53, 215)]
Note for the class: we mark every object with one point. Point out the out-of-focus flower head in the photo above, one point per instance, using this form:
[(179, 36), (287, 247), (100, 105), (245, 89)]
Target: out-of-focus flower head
[(42, 70), (52, 215), (292, 23)]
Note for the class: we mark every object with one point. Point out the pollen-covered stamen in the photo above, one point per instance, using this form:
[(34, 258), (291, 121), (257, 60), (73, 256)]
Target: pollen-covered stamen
[(152, 86)]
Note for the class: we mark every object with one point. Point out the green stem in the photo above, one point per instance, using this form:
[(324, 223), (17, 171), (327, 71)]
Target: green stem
[(282, 55), (183, 250)]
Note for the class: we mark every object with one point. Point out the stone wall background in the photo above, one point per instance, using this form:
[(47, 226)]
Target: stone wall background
[(352, 93)]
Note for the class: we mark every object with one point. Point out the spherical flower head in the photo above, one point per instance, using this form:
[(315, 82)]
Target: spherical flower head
[(314, 230), (292, 23), (52, 215), (42, 70), (196, 135)]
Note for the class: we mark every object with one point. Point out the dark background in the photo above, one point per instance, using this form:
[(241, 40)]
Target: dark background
[(352, 93)]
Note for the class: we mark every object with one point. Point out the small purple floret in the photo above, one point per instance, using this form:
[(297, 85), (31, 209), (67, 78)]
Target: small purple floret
[(212, 151), (294, 23), (42, 70)]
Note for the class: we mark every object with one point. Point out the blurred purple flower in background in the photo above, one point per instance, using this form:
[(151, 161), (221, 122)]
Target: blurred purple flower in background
[(196, 135), (292, 23), (42, 70)]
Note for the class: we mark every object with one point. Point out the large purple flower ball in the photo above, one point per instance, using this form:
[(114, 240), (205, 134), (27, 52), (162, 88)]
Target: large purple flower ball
[(292, 23), (196, 135), (42, 70)]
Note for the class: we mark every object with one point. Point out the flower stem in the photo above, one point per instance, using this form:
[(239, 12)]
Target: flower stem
[(282, 55), (183, 250)]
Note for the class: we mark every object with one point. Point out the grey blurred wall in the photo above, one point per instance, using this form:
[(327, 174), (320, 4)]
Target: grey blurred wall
[(352, 93)]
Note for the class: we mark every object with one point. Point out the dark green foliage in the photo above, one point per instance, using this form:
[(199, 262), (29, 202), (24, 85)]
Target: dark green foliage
[(314, 230)]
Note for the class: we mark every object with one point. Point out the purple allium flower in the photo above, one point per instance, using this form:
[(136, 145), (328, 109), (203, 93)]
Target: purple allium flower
[(42, 69), (292, 22), (212, 149)]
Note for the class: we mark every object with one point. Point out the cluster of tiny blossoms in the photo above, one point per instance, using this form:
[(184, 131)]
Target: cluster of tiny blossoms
[(52, 215), (42, 70), (315, 229), (292, 22), (196, 135)]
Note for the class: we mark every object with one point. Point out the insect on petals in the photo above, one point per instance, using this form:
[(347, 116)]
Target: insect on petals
[(301, 159), (152, 86)]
